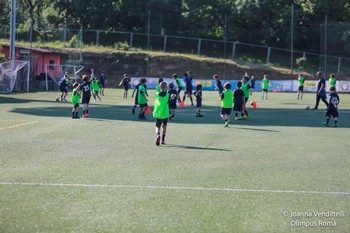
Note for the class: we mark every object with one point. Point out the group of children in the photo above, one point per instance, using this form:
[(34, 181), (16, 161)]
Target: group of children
[(90, 87), (167, 98)]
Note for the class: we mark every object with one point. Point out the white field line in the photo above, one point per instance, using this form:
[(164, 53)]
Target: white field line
[(173, 188)]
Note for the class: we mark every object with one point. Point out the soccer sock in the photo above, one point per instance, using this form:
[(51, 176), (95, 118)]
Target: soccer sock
[(327, 121), (83, 112), (335, 122), (163, 137), (76, 114), (87, 111), (73, 114), (191, 99)]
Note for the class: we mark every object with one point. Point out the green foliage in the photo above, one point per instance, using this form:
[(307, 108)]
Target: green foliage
[(300, 61), (73, 42), (2, 57), (122, 46)]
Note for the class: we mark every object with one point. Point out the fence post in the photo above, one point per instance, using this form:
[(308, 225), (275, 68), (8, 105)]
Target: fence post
[(97, 37), (234, 50), (268, 55), (165, 40), (339, 64), (131, 39), (199, 47), (65, 35)]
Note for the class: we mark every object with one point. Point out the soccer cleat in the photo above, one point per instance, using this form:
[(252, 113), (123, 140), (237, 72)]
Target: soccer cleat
[(245, 118), (226, 123), (335, 125), (162, 142), (133, 111), (196, 115), (158, 140), (325, 124), (313, 108), (86, 114), (200, 115), (236, 118)]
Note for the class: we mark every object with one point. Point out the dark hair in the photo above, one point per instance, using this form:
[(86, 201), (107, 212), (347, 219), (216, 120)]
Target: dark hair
[(85, 78), (171, 85), (174, 76), (143, 80), (239, 84), (75, 84), (160, 80), (199, 87), (185, 74), (227, 86), (332, 88)]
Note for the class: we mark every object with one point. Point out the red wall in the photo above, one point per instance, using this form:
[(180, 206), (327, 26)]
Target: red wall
[(44, 57)]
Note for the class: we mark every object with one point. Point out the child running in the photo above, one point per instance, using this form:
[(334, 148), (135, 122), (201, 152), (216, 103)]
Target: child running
[(161, 112), (247, 92), (75, 101), (218, 85), (332, 109), (178, 83), (226, 103), (142, 98), (64, 83), (95, 85), (86, 90), (198, 95), (239, 101), (174, 97), (126, 83)]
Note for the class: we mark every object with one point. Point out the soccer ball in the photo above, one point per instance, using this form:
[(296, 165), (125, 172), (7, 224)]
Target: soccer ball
[(307, 107), (251, 103), (58, 99)]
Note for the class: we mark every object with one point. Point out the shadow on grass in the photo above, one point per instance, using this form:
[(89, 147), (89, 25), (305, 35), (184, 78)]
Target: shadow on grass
[(195, 147), (260, 117)]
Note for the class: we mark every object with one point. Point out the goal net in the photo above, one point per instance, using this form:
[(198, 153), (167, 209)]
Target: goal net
[(12, 75), (54, 72)]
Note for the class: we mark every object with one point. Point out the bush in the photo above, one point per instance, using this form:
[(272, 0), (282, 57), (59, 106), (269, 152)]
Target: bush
[(73, 42), (122, 46)]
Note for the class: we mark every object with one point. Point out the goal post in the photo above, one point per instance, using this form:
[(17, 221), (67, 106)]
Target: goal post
[(13, 75), (55, 72)]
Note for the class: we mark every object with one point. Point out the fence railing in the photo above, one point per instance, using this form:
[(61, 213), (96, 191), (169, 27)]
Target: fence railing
[(235, 50)]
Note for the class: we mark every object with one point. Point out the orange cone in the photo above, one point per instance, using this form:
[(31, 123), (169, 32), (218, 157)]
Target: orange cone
[(274, 91), (148, 110), (254, 104), (182, 104)]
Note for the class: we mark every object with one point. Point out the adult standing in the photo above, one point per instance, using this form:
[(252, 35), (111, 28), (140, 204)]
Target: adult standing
[(102, 83), (321, 91), (189, 88)]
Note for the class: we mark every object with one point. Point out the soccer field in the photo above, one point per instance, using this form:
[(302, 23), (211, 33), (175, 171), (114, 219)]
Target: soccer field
[(279, 171)]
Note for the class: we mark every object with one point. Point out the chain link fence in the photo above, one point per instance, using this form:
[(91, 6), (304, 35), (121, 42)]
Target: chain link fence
[(234, 50)]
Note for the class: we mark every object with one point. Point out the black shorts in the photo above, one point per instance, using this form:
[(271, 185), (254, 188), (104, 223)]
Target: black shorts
[(76, 105), (301, 88), (143, 105), (265, 90), (126, 88), (226, 111), (189, 91), (102, 84), (172, 105), (238, 107), (160, 122), (332, 112), (64, 89), (86, 99), (199, 104), (179, 90)]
